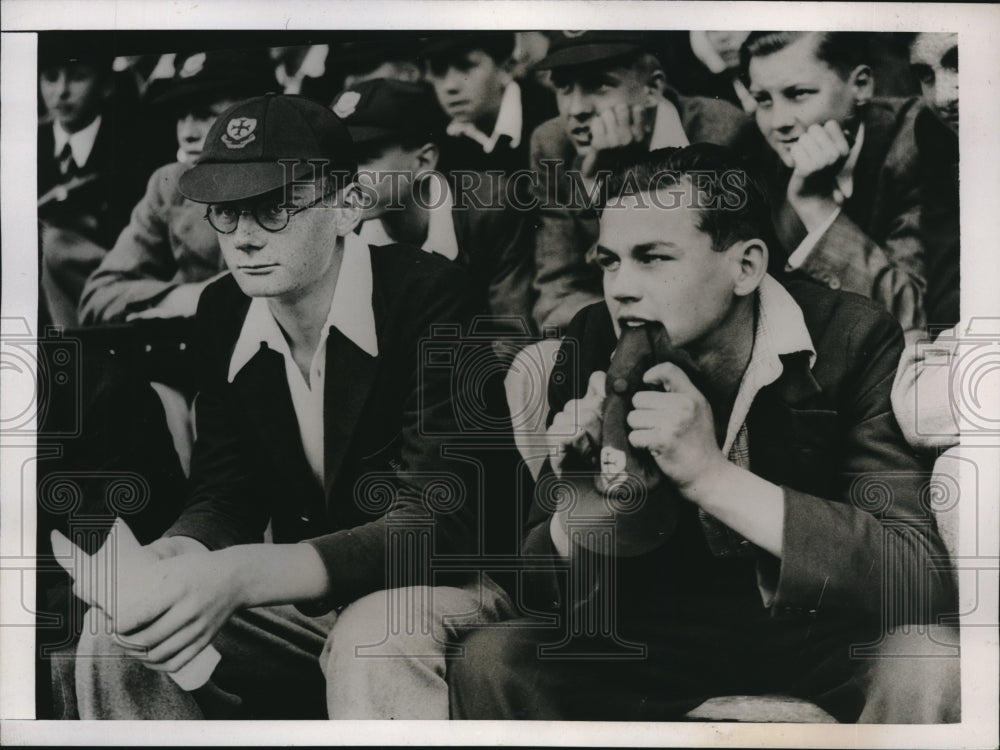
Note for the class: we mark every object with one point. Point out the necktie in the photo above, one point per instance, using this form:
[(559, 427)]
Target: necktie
[(66, 164)]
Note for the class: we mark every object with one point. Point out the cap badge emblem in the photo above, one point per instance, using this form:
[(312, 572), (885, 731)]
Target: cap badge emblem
[(239, 132), (573, 34), (346, 104), (193, 65)]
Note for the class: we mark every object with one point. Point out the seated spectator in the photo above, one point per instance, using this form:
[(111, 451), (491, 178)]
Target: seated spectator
[(398, 130), (769, 566), (311, 384), (848, 183), (612, 97), (87, 178), (934, 62), (168, 253), (492, 114)]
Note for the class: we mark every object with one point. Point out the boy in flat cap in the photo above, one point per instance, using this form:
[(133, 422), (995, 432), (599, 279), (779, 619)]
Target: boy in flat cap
[(316, 429), (612, 97), (399, 128), (863, 200), (167, 254), (492, 114)]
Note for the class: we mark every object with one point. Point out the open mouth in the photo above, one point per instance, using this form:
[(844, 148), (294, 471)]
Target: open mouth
[(581, 136), (631, 321)]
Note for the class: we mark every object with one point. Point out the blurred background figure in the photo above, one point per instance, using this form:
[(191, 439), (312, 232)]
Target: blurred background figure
[(393, 57), (167, 254), (87, 184), (706, 63), (492, 113), (934, 61)]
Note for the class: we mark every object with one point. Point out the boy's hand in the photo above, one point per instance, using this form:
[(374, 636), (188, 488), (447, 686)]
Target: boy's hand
[(169, 611), (675, 426), (578, 426), (614, 128), (816, 158)]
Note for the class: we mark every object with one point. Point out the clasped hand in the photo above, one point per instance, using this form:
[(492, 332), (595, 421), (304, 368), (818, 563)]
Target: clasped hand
[(672, 421), (166, 612)]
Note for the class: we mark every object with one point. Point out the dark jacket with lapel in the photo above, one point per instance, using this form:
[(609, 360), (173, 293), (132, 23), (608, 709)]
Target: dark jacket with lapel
[(565, 280), (389, 424), (857, 530), (900, 221)]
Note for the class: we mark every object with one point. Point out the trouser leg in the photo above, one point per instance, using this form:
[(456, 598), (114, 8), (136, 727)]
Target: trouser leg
[(387, 657), (111, 685), (914, 678), (269, 665)]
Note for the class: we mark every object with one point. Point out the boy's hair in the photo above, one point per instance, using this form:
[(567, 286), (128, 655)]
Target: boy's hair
[(640, 60), (843, 51), (731, 201), (451, 49)]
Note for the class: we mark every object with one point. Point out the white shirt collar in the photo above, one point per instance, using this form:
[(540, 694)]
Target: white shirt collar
[(510, 122), (441, 237), (781, 329), (351, 312), (668, 130), (81, 143)]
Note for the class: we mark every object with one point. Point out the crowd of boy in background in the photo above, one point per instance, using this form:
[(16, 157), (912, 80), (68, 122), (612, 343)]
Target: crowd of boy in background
[(487, 148)]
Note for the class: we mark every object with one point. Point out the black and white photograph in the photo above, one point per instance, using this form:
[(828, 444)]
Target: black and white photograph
[(430, 366)]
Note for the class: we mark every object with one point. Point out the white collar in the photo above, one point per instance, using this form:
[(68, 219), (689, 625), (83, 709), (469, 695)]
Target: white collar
[(668, 130), (510, 122), (441, 237), (81, 143), (704, 51), (351, 312), (781, 329)]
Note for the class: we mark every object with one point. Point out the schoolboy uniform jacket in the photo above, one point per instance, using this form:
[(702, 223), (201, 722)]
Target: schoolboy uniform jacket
[(389, 422), (858, 529)]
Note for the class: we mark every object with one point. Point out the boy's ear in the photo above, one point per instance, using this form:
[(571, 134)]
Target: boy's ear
[(349, 205), (656, 81), (506, 70), (426, 158), (751, 266), (863, 82)]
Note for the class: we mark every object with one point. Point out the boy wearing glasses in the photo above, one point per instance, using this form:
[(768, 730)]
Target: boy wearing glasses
[(316, 427)]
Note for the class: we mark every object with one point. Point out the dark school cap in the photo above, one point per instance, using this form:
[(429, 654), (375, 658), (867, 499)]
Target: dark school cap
[(246, 145), (385, 109), (582, 47), (236, 74)]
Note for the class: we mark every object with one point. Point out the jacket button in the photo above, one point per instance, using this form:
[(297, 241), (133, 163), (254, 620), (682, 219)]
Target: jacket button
[(835, 283)]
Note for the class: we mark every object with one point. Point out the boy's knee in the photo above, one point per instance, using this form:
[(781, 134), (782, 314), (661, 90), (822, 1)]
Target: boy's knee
[(98, 637)]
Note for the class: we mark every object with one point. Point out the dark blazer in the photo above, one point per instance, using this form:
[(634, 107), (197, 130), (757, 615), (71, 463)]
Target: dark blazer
[(856, 529), (902, 216), (495, 229), (395, 434), (565, 280), (99, 209)]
